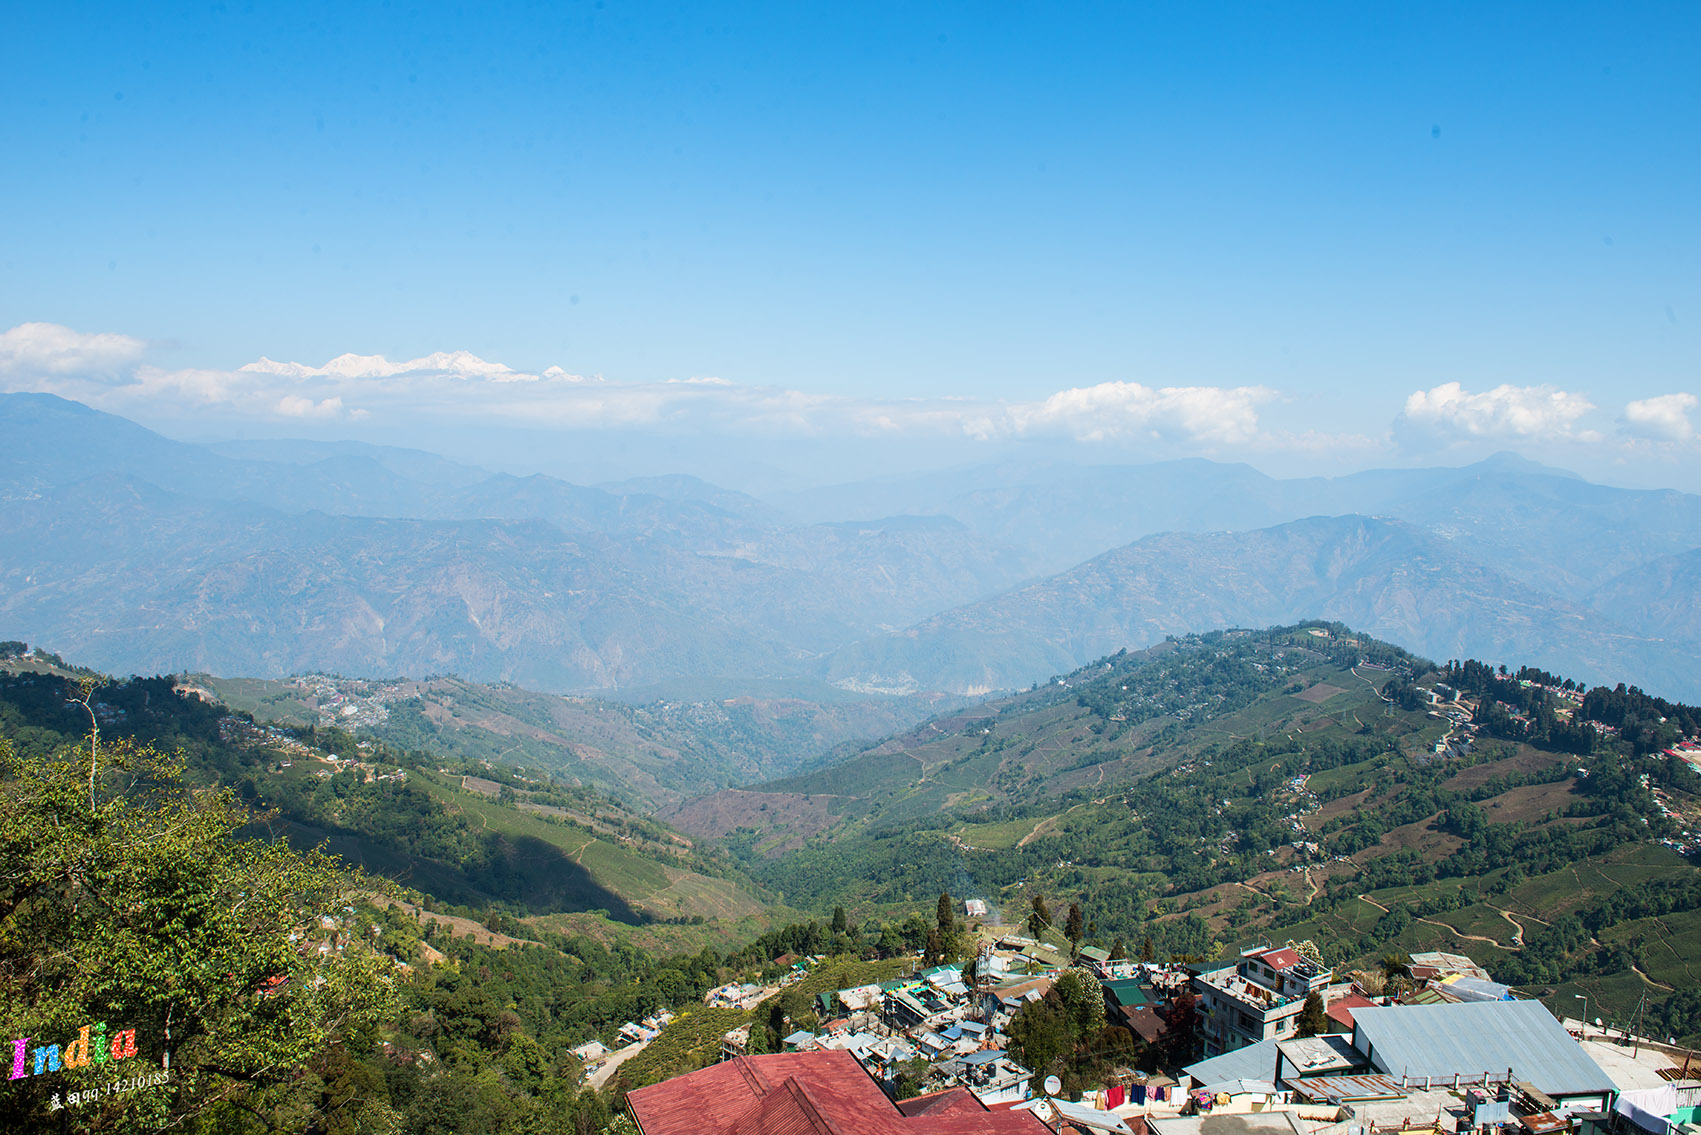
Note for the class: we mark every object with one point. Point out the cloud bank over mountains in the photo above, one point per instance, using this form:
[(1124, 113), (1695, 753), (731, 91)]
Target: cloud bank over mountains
[(49, 350), (113, 372), (1511, 412)]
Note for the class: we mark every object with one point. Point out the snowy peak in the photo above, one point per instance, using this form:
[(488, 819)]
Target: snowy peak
[(461, 363)]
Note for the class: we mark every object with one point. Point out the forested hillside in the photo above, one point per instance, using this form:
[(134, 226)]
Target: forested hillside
[(1244, 785), (1301, 782), (521, 918), (469, 832)]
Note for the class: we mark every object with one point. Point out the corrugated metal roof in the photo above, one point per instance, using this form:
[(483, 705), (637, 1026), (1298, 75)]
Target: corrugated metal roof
[(1342, 1010), (819, 1093), (1341, 1089), (1254, 1062), (1126, 991), (1468, 1039)]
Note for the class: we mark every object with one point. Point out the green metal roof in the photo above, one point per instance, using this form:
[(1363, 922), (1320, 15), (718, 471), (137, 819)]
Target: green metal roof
[(1126, 991)]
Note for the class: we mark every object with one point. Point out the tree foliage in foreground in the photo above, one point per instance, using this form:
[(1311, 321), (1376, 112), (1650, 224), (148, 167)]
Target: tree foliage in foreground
[(143, 908)]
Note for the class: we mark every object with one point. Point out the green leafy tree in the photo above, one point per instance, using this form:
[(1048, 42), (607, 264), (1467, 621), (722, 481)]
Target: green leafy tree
[(1040, 1036), (1394, 964), (1059, 1032), (1084, 999), (147, 911)]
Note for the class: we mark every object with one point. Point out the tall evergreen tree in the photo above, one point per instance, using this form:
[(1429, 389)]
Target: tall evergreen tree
[(1312, 1018), (1039, 917)]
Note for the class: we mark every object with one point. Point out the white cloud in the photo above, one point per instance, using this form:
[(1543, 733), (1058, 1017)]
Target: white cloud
[(49, 350), (1189, 415), (460, 386), (1540, 413), (295, 406), (1661, 418), (1210, 415)]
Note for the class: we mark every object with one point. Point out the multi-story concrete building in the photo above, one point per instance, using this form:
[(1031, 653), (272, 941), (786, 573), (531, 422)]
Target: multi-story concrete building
[(1258, 998)]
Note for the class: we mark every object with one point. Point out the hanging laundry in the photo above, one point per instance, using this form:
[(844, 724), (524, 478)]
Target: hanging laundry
[(1113, 1097), (1139, 1091)]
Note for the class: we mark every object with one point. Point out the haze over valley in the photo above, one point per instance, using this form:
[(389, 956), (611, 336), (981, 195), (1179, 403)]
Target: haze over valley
[(142, 554)]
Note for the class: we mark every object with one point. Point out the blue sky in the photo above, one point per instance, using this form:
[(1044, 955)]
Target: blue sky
[(937, 231)]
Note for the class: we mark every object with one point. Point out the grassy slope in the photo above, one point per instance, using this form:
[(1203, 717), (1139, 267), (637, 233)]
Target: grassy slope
[(658, 889)]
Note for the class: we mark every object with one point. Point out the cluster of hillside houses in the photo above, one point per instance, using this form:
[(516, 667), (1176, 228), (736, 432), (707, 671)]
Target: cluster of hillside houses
[(1454, 1054)]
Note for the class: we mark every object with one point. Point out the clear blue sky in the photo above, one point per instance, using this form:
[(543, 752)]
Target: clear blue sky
[(1341, 204)]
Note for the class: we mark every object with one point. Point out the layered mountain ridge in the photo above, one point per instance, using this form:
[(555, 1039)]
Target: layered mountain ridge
[(144, 554)]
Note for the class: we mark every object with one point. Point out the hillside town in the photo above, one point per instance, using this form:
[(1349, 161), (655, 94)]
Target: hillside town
[(1274, 1041)]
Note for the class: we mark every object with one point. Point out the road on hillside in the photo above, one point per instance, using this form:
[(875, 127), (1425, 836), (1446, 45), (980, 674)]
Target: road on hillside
[(615, 1059)]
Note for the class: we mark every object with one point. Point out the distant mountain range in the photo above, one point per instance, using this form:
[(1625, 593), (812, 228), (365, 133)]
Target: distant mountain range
[(1395, 580), (145, 554), (138, 553)]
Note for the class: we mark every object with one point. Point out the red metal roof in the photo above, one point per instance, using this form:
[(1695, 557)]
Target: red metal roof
[(1342, 1011), (1279, 959), (806, 1093), (951, 1100)]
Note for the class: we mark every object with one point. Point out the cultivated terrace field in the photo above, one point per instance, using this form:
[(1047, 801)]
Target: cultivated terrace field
[(1242, 786)]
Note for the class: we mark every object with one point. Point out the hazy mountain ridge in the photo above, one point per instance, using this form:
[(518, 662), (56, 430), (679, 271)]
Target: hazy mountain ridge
[(155, 555), (1544, 527), (1392, 579), (1661, 598), (267, 558), (1116, 719)]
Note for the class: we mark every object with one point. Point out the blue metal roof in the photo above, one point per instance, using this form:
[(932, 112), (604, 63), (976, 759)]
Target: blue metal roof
[(1473, 1037), (1254, 1062)]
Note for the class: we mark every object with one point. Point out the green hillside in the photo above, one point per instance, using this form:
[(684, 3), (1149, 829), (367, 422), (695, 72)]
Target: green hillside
[(1239, 786), (649, 755), (479, 835)]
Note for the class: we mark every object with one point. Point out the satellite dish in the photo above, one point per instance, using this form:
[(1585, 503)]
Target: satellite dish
[(1598, 1023), (1053, 1085)]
